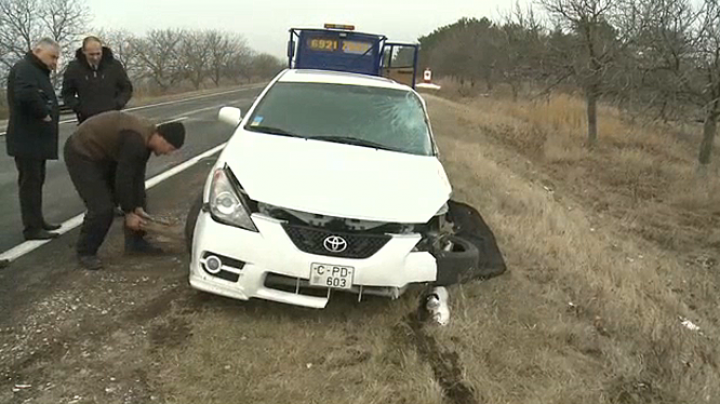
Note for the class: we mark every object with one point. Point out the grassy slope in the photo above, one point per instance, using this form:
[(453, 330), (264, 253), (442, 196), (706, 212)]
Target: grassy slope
[(606, 251)]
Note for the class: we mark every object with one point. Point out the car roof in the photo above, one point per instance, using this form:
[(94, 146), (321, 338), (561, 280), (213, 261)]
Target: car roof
[(337, 77)]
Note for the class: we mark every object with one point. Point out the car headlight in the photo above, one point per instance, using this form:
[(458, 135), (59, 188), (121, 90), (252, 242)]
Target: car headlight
[(226, 203)]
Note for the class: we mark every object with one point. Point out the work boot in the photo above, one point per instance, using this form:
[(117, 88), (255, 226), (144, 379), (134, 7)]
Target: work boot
[(50, 226), (90, 262), (40, 235), (140, 246)]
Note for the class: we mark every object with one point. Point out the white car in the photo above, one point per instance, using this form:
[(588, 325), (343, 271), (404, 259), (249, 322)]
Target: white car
[(331, 182)]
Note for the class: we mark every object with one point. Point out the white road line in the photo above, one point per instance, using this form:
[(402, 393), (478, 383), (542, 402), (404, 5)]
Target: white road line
[(195, 111), (29, 246), (188, 99), (182, 167), (166, 103), (185, 115), (180, 119)]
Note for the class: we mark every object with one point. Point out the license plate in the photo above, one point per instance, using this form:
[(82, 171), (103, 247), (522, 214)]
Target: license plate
[(331, 276)]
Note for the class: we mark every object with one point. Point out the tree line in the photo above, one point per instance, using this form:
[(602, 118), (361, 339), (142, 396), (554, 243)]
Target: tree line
[(159, 60), (170, 57), (656, 58)]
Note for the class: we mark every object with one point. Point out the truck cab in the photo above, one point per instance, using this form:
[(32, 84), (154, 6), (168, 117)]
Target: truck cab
[(341, 48)]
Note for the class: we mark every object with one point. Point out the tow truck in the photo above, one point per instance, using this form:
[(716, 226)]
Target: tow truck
[(340, 47)]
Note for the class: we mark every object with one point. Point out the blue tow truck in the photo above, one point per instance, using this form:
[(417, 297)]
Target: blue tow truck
[(341, 48)]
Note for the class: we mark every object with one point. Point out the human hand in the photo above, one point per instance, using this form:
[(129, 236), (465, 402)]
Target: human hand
[(141, 212), (134, 222)]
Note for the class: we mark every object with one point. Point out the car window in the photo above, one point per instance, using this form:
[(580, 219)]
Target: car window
[(392, 118)]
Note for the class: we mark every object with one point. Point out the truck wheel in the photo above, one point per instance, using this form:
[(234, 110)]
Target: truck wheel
[(191, 221)]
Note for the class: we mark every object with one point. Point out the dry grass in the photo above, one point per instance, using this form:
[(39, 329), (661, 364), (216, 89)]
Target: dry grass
[(269, 353), (589, 312)]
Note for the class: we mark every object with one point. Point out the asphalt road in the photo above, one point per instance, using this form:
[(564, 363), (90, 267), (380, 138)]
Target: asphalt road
[(61, 201)]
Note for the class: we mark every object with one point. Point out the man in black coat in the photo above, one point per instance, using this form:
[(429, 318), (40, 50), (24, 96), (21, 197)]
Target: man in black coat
[(95, 81), (32, 132)]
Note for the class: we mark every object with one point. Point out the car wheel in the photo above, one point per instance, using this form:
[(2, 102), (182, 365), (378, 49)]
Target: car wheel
[(470, 226), (191, 221), (459, 264)]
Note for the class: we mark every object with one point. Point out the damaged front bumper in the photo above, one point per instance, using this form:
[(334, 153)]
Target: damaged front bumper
[(267, 264)]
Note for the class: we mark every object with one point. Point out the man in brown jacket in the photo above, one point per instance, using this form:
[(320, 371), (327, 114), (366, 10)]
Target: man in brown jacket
[(106, 158)]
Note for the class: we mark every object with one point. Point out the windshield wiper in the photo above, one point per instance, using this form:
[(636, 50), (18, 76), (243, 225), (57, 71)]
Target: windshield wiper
[(352, 141), (271, 130)]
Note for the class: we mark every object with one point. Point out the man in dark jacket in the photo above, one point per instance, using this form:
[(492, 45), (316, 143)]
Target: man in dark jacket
[(106, 158), (32, 132), (95, 81)]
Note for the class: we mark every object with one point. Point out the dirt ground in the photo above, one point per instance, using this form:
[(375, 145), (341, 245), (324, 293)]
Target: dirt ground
[(584, 314)]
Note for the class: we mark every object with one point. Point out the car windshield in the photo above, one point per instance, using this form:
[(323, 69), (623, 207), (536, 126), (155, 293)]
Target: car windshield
[(383, 118)]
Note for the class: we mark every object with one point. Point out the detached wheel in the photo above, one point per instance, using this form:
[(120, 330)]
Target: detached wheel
[(191, 221), (459, 264), (471, 227)]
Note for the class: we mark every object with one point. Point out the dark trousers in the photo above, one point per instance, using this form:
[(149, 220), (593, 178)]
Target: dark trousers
[(94, 181), (31, 178)]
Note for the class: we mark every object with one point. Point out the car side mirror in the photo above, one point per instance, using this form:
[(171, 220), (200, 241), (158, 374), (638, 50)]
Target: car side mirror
[(230, 115)]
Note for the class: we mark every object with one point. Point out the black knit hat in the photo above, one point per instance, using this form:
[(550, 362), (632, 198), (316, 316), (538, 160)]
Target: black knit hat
[(173, 132)]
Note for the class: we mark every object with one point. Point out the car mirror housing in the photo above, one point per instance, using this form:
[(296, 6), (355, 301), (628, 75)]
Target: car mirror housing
[(230, 115)]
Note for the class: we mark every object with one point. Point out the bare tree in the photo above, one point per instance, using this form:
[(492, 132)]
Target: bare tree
[(225, 48), (598, 41), (240, 66), (265, 66), (220, 51), (121, 41), (21, 24), (64, 21), (523, 42), (160, 55), (681, 55), (195, 56), (707, 57)]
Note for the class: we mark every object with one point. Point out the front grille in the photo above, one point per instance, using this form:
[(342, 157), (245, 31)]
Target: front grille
[(312, 241)]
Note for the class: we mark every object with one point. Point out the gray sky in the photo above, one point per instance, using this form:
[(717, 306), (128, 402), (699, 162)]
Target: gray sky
[(265, 24)]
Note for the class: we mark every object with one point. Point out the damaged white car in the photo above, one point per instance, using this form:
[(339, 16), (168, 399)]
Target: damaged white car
[(331, 182)]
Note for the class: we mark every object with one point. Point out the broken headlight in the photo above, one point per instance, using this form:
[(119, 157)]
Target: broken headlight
[(227, 204)]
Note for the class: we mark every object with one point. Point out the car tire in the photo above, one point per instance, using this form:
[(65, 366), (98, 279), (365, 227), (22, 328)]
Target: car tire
[(191, 221), (459, 265), (469, 225)]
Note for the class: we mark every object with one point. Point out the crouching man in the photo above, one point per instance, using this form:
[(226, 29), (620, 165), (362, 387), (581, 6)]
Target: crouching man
[(106, 158)]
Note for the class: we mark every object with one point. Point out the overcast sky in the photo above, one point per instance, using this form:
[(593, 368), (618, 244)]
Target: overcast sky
[(265, 23)]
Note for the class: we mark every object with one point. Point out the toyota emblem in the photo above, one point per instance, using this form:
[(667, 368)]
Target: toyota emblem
[(335, 244)]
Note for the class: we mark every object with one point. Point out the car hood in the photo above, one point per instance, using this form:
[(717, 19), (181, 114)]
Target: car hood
[(337, 180)]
